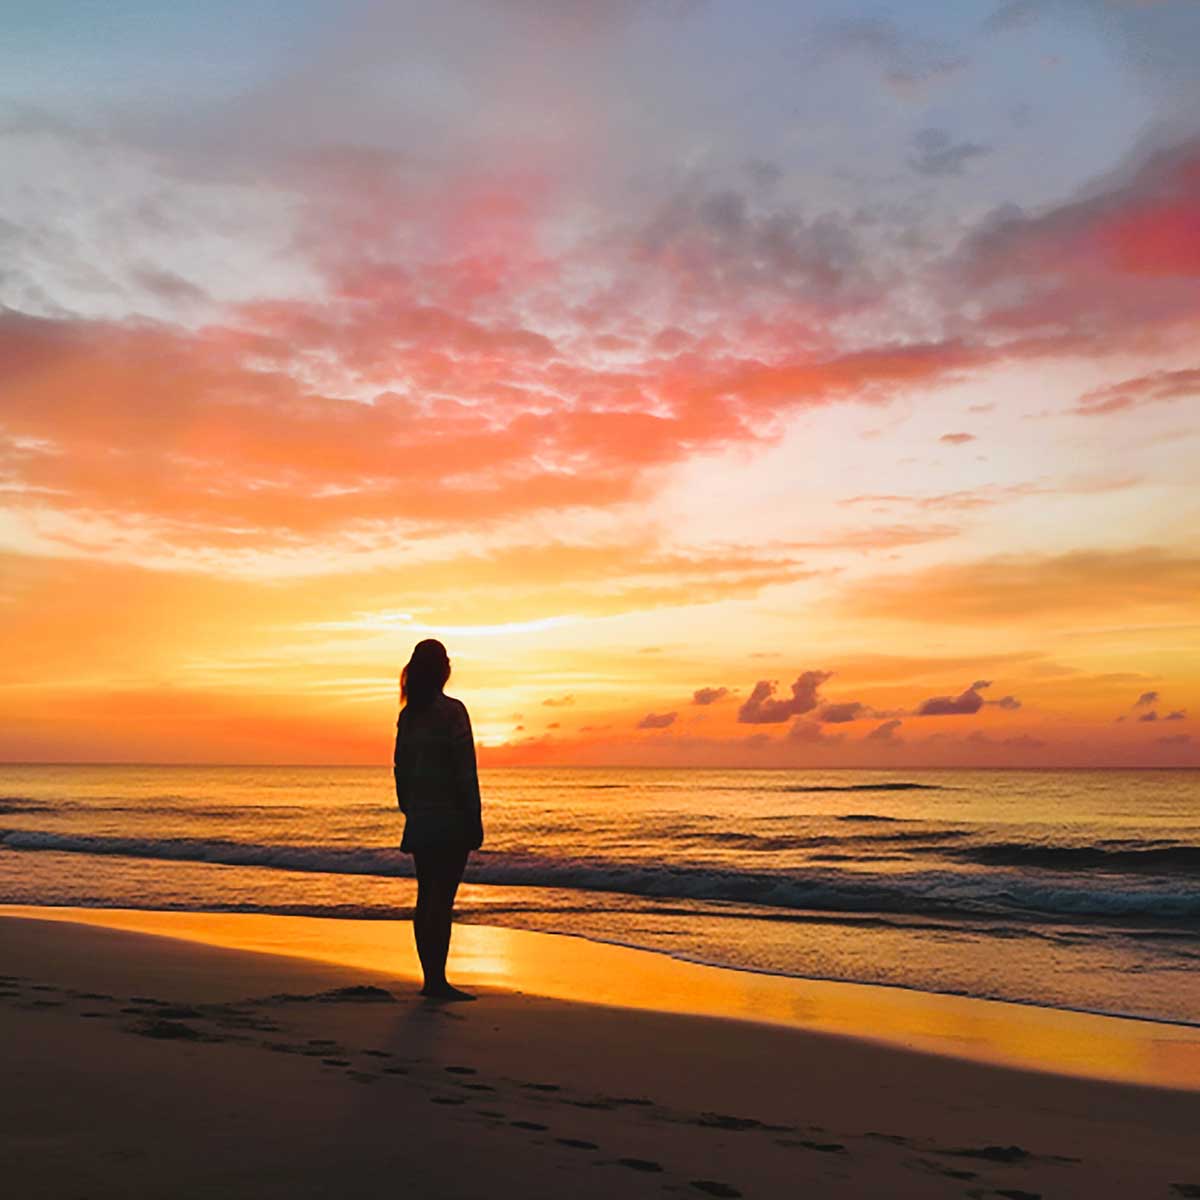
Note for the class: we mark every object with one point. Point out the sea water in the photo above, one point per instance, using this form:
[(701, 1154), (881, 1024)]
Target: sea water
[(1072, 889)]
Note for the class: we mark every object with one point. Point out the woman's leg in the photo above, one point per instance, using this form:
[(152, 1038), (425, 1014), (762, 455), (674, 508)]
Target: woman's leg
[(422, 864), (438, 876)]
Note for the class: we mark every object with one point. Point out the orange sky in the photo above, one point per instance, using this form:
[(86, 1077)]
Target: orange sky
[(699, 433)]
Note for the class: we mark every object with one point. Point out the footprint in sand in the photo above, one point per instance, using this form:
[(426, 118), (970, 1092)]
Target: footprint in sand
[(171, 1031), (577, 1143), (446, 1100), (1000, 1154), (640, 1164), (335, 1062), (534, 1125), (1186, 1189), (395, 1070), (715, 1188), (712, 1120), (925, 1164)]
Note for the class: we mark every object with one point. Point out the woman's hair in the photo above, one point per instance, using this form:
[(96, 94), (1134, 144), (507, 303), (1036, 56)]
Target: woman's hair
[(425, 675)]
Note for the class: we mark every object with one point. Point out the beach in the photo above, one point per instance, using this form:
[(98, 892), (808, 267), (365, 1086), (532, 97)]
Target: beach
[(191, 1054)]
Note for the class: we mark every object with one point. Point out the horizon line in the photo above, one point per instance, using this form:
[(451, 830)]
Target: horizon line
[(608, 766)]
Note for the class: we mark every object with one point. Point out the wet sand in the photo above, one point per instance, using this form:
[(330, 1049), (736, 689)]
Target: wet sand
[(200, 1064)]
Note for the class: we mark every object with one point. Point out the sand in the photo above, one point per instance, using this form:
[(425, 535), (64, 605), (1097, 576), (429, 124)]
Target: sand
[(137, 1064)]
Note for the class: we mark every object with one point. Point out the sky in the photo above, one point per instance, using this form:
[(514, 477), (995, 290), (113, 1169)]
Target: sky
[(804, 384)]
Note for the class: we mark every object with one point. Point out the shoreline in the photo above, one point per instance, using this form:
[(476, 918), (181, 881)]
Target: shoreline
[(465, 921), (576, 969)]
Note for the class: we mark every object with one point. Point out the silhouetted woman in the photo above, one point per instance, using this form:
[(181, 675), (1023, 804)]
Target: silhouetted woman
[(437, 789)]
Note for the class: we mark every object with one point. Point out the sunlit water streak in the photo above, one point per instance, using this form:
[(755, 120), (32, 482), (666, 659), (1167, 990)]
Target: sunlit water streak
[(1075, 889)]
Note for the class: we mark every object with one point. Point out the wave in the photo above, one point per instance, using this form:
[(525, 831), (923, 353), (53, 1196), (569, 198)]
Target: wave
[(862, 787), (22, 804), (1121, 857), (862, 843), (955, 893)]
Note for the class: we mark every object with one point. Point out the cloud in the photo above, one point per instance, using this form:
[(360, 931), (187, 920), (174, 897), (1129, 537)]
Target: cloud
[(761, 709), (1028, 587), (935, 153), (810, 733), (1152, 715), (956, 439), (989, 495), (224, 435), (1008, 703), (878, 537), (1023, 741), (1177, 714), (1141, 390), (885, 732), (1146, 699), (657, 720), (709, 695), (840, 714), (558, 701), (964, 704), (723, 245), (1113, 269), (906, 61)]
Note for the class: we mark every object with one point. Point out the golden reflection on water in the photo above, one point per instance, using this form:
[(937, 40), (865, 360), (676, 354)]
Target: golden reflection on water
[(573, 969)]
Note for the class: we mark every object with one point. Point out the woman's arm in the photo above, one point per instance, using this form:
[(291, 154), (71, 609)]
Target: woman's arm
[(398, 767), (466, 771)]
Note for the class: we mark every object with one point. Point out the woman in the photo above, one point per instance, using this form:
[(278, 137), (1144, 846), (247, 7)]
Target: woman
[(437, 789)]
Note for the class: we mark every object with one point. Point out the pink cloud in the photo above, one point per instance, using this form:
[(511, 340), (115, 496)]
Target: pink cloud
[(1113, 269), (1134, 393)]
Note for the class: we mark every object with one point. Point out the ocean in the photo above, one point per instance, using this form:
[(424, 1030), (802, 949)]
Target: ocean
[(1068, 889)]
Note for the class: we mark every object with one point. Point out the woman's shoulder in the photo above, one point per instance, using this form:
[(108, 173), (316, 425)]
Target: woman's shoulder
[(455, 712)]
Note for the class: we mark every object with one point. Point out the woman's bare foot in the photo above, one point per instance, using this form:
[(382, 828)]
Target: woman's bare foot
[(446, 993)]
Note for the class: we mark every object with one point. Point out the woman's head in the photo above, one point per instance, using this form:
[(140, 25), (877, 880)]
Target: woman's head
[(425, 674)]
